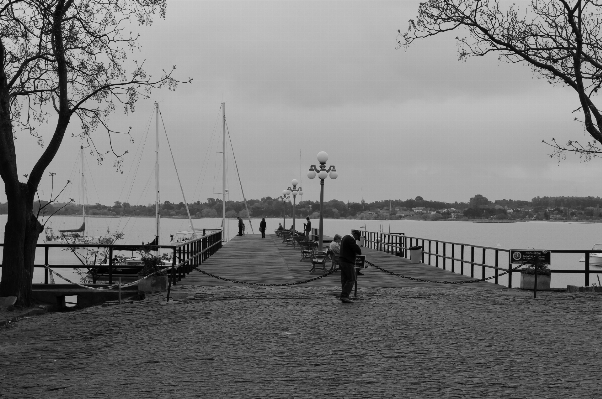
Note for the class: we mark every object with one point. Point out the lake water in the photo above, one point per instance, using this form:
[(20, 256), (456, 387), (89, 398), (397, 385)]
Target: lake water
[(521, 235)]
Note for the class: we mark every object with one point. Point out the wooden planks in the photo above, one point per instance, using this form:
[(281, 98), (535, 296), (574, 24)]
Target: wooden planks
[(253, 259)]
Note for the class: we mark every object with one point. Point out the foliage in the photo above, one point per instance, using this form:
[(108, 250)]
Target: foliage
[(62, 60), (558, 39), (542, 269), (156, 265)]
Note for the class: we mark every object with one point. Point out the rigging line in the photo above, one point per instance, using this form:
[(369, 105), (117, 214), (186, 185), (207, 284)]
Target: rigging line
[(201, 175), (134, 173), (177, 174), (241, 189), (93, 184), (127, 221)]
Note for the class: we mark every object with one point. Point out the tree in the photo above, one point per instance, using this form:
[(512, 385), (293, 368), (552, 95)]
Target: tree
[(478, 201), (559, 40), (61, 59)]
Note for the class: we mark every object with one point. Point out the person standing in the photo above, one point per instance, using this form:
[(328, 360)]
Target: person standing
[(262, 226), (349, 250), (241, 226), (307, 228)]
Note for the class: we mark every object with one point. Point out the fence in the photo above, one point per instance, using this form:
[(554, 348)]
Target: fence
[(468, 259), (184, 256)]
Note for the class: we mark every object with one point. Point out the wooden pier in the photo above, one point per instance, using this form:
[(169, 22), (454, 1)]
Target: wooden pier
[(270, 261)]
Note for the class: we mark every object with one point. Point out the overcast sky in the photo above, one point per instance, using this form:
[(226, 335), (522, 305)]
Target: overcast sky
[(300, 77)]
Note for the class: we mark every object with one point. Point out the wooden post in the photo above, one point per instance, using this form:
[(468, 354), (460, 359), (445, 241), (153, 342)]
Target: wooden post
[(462, 261), (472, 262), (497, 272), (586, 270), (110, 265), (483, 267), (46, 263), (453, 262), (509, 272), (444, 255)]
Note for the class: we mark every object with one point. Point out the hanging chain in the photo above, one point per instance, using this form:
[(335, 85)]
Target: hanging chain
[(439, 282), (264, 284)]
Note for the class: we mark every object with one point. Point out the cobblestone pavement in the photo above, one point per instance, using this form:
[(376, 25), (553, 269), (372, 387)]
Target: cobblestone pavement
[(222, 342)]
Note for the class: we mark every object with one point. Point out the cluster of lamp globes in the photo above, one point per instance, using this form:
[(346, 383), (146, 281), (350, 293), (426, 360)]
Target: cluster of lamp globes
[(314, 171)]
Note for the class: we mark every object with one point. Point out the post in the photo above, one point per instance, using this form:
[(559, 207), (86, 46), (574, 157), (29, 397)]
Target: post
[(120, 290), (483, 267), (453, 262), (444, 255), (587, 269), (111, 265), (509, 272), (321, 216), (157, 198), (462, 261), (46, 263), (294, 200), (471, 261), (224, 172), (497, 272)]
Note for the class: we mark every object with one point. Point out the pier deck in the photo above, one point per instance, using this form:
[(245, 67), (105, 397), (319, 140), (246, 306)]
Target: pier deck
[(253, 259)]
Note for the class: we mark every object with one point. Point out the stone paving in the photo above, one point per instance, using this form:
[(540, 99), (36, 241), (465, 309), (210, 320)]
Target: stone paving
[(227, 341), (224, 342)]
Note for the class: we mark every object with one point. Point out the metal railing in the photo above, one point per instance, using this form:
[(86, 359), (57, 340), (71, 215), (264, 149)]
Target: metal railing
[(467, 259), (184, 256)]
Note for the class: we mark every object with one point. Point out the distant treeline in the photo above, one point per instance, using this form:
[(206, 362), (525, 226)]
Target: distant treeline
[(274, 207)]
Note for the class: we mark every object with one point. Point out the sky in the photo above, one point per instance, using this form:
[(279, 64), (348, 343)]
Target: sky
[(300, 77)]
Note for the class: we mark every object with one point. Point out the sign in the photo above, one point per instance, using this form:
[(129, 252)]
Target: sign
[(529, 256)]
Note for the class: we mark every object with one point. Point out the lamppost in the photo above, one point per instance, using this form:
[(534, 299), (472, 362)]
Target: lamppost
[(294, 191), (322, 173), (284, 197)]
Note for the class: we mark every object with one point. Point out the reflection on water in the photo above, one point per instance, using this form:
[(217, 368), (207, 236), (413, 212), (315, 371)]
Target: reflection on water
[(520, 235)]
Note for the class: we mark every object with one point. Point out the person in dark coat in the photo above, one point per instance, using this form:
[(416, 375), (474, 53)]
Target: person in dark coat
[(349, 250), (307, 228), (262, 226), (241, 226)]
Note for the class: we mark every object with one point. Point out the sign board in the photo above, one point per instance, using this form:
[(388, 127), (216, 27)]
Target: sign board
[(529, 256)]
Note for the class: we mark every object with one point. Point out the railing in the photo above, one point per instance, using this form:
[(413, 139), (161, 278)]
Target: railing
[(184, 256), (468, 259)]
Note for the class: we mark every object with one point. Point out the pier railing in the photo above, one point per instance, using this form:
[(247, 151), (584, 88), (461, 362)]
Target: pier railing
[(476, 261), (185, 256)]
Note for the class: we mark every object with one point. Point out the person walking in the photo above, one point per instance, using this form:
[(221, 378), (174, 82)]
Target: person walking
[(262, 226), (349, 250), (241, 226), (307, 228)]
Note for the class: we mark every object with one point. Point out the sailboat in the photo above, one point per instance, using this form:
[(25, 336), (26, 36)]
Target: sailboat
[(78, 235)]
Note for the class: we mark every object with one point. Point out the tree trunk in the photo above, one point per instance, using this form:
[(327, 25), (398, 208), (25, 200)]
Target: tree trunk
[(20, 238)]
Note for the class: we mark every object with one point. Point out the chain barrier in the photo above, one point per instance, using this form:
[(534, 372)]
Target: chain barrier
[(264, 284), (440, 282), (107, 287)]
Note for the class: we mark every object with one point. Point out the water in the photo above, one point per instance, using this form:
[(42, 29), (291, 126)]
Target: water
[(520, 235)]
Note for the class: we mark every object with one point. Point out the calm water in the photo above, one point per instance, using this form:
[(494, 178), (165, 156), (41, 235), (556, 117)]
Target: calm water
[(540, 235)]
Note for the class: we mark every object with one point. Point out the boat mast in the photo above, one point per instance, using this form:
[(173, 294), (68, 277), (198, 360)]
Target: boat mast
[(81, 148), (224, 172), (157, 216)]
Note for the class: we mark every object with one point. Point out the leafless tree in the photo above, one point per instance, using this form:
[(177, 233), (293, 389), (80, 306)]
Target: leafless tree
[(559, 39), (59, 60)]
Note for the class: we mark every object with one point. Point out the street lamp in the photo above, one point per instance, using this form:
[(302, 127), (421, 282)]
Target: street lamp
[(294, 191), (322, 173), (284, 197)]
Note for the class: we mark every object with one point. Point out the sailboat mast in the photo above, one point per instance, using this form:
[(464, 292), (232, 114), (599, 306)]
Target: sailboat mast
[(157, 216), (224, 172), (81, 148)]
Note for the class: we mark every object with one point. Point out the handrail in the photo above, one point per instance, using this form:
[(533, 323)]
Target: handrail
[(399, 244), (185, 255)]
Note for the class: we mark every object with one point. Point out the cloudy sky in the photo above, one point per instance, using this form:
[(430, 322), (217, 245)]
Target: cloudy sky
[(300, 77)]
